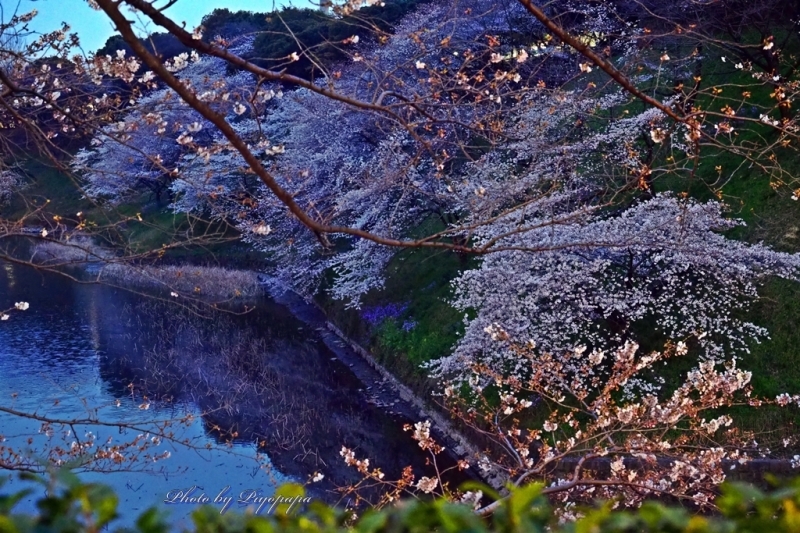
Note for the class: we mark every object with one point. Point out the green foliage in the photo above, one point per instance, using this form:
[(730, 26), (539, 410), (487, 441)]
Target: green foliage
[(422, 279), (307, 32), (280, 33), (72, 507), (419, 345), (45, 183), (226, 23), (311, 29), (164, 45)]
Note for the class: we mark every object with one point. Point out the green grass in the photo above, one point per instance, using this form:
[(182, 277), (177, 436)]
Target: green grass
[(422, 278), (776, 362), (47, 185), (771, 218), (419, 278)]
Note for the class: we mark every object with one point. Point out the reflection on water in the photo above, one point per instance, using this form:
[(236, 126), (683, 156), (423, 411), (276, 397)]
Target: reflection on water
[(270, 402)]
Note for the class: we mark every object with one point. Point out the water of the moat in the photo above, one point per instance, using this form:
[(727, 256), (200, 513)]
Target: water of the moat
[(271, 401)]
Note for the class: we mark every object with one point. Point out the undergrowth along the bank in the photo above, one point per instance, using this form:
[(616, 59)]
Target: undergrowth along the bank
[(101, 265)]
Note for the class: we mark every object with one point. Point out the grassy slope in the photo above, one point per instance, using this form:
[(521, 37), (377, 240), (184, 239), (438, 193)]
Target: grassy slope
[(422, 280), (773, 219)]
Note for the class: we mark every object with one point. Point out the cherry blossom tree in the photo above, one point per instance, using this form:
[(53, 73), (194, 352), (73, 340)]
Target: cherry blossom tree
[(659, 267), (535, 136), (594, 441)]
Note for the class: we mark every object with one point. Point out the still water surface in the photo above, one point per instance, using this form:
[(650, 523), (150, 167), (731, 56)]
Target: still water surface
[(271, 402)]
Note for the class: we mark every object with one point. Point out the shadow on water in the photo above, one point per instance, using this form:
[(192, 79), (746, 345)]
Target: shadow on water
[(263, 383)]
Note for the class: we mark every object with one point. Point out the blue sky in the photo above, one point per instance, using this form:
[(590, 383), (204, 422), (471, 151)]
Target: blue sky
[(94, 28)]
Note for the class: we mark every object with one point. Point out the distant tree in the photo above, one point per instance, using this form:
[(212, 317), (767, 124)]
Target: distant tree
[(228, 24), (164, 45)]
